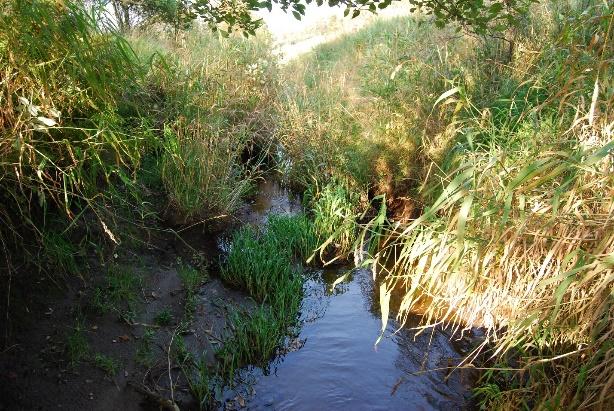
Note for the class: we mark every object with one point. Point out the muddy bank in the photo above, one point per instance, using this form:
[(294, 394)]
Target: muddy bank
[(65, 352)]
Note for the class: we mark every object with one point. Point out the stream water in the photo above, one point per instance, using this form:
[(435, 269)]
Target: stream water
[(334, 363)]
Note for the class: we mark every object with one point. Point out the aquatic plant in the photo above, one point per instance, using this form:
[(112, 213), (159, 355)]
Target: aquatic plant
[(256, 337), (262, 263)]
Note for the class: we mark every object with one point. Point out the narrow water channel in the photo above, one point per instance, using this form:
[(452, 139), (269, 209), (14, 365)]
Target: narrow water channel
[(334, 364)]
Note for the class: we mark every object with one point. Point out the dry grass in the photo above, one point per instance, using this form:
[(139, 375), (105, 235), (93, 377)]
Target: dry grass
[(536, 278), (518, 237)]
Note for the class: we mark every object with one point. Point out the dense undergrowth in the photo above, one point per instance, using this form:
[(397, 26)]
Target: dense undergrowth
[(89, 118), (492, 158), (105, 138)]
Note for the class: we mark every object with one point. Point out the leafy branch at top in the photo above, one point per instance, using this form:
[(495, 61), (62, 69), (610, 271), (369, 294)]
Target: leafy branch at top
[(478, 16)]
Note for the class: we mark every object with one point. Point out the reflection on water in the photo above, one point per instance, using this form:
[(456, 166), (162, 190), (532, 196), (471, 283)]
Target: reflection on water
[(338, 367), (272, 198)]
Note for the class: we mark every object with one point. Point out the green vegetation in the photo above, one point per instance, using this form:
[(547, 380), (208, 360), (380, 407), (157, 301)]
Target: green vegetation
[(262, 263), (200, 384), (294, 235), (258, 265), (107, 364), (164, 317), (179, 350), (335, 216), (95, 127), (190, 276), (191, 279), (120, 293), (77, 346), (496, 160), (144, 350), (364, 93), (198, 170), (64, 92), (256, 337)]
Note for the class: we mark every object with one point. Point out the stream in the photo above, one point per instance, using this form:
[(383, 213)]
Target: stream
[(334, 363)]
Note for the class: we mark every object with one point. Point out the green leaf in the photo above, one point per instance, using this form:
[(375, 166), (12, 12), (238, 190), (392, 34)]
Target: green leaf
[(495, 8)]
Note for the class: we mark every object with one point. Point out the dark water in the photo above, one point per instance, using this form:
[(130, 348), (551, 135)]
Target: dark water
[(272, 198), (334, 364)]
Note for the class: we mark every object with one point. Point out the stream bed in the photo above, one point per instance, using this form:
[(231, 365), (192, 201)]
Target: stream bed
[(333, 363)]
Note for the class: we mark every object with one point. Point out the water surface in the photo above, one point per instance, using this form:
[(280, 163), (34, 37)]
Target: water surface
[(334, 364)]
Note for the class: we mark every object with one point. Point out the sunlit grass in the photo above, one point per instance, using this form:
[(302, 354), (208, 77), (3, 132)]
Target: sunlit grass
[(516, 231), (335, 211)]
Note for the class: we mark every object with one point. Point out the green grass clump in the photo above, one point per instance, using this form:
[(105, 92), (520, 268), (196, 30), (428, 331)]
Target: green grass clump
[(191, 278), (200, 382), (145, 349), (295, 234), (60, 252), (120, 292), (179, 350), (107, 364), (164, 317), (77, 346), (200, 169), (257, 264), (255, 340), (335, 211), (263, 263)]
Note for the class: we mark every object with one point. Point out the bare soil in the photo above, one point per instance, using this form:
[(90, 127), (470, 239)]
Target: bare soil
[(35, 368)]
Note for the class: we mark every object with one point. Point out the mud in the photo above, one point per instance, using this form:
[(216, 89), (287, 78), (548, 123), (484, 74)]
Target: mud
[(35, 372)]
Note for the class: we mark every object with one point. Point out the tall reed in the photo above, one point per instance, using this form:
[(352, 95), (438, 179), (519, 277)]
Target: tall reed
[(517, 235)]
